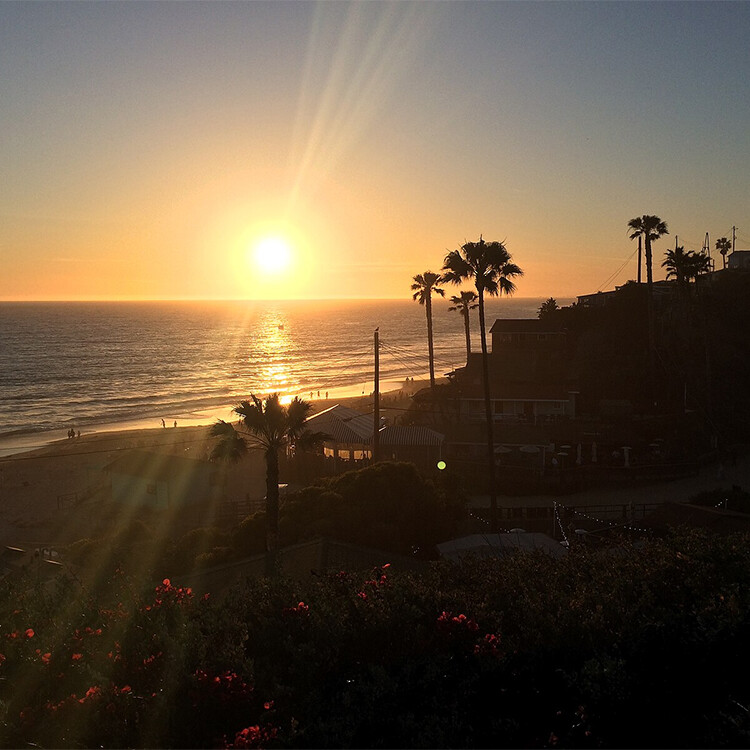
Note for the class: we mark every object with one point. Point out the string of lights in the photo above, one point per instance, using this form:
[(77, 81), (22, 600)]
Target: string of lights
[(560, 525), (608, 523)]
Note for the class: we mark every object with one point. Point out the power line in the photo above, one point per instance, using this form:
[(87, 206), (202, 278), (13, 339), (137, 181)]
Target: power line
[(613, 276)]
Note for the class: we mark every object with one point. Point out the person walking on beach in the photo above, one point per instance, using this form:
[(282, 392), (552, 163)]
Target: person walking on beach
[(175, 423), (163, 423)]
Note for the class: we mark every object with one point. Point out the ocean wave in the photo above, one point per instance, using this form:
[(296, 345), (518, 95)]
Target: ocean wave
[(83, 364)]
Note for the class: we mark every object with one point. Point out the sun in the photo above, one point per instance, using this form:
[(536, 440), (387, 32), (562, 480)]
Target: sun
[(272, 255)]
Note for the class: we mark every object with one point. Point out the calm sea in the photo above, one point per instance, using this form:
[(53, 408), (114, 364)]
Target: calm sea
[(94, 363)]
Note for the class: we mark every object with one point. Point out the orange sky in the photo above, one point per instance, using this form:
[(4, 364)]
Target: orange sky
[(147, 146)]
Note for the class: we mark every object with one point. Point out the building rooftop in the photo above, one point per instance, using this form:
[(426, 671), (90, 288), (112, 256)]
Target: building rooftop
[(526, 325), (410, 435), (343, 424), (499, 545)]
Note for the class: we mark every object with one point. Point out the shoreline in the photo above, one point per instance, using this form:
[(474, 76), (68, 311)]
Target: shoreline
[(22, 443), (38, 479)]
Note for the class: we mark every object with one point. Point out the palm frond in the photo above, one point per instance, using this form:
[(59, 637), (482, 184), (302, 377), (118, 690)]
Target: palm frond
[(309, 439), (456, 268), (296, 414), (425, 284), (230, 446)]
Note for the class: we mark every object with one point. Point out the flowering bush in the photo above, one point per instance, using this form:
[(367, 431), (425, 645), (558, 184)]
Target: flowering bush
[(646, 647)]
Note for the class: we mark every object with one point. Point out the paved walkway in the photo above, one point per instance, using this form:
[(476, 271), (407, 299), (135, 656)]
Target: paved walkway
[(676, 490)]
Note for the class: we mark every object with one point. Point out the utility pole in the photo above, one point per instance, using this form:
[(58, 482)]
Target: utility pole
[(734, 237), (640, 237), (376, 408)]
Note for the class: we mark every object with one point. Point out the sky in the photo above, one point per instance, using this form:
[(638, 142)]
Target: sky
[(148, 148)]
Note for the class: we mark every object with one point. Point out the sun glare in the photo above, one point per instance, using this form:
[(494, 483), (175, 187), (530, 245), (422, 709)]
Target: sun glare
[(272, 255)]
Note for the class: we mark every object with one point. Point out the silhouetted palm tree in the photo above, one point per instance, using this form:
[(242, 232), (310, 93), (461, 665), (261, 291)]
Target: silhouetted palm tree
[(684, 265), (490, 267), (425, 284), (547, 309), (270, 426), (462, 303), (723, 245), (650, 228)]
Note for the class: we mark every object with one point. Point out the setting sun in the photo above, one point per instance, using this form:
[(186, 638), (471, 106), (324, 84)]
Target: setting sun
[(272, 255)]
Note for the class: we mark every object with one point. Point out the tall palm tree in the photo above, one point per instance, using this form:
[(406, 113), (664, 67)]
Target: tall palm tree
[(425, 284), (723, 245), (462, 303), (490, 267), (269, 426), (650, 228)]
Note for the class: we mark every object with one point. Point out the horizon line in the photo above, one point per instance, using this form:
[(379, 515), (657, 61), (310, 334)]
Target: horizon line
[(247, 299)]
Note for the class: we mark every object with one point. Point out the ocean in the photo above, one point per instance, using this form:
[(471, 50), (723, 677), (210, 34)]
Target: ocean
[(95, 365)]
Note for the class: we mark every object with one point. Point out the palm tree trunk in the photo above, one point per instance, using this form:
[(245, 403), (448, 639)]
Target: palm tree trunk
[(468, 335), (650, 315), (488, 414), (428, 308), (272, 499)]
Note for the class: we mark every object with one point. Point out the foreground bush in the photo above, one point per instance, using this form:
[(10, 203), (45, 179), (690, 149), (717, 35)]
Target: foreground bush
[(387, 506), (636, 647)]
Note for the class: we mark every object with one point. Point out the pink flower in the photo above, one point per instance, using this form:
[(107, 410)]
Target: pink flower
[(30, 633), (76, 657)]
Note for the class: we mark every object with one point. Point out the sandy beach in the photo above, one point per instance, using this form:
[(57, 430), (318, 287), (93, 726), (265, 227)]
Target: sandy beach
[(38, 485)]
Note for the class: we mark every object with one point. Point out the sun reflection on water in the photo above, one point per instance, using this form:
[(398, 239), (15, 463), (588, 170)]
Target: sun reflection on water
[(269, 349)]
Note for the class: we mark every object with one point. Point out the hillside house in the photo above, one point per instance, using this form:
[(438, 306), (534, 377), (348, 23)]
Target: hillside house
[(530, 378)]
